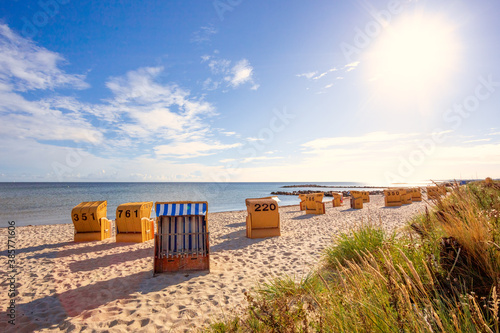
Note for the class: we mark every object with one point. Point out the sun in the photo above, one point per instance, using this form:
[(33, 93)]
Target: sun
[(414, 57)]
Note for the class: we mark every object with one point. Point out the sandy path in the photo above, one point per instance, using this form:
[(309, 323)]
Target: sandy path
[(105, 286)]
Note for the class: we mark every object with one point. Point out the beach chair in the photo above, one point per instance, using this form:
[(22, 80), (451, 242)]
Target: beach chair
[(302, 198), (356, 200), (181, 242), (434, 192), (405, 196), (366, 196), (338, 199), (133, 223), (263, 219), (416, 194), (392, 198), (90, 222), (315, 204)]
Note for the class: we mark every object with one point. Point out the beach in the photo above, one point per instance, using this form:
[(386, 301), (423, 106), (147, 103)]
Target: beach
[(108, 286)]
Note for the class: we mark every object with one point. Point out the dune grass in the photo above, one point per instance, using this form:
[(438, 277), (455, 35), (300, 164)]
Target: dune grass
[(442, 275)]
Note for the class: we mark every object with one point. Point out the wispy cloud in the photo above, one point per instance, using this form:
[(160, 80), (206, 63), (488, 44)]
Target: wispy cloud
[(308, 75), (204, 34), (192, 149), (233, 75), (351, 66), (477, 140), (25, 66), (325, 143)]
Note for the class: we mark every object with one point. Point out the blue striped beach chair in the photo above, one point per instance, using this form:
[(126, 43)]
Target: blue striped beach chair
[(181, 243)]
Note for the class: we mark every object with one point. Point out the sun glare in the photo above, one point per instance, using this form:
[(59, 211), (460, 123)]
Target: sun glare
[(414, 57)]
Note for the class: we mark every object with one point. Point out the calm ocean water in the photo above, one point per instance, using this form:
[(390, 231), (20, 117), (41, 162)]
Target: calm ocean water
[(51, 203)]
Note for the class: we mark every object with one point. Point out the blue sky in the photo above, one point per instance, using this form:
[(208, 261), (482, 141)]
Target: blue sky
[(238, 90)]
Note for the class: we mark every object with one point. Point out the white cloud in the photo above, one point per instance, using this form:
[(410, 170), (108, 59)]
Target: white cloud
[(25, 66), (204, 34), (329, 86), (307, 75), (477, 140), (324, 143), (251, 139), (260, 158), (351, 66), (314, 76), (227, 160), (154, 109), (210, 84), (320, 76), (192, 149), (219, 66), (234, 76), (240, 73)]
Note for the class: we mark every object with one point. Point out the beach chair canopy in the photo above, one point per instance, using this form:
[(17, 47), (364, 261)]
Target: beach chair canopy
[(180, 209)]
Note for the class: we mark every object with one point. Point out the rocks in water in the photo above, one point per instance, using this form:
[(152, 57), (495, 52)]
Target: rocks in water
[(326, 193)]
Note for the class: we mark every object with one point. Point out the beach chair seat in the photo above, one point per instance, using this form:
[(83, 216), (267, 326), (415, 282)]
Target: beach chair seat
[(182, 239), (338, 199), (90, 222), (263, 219), (357, 200), (392, 198), (315, 204), (133, 222)]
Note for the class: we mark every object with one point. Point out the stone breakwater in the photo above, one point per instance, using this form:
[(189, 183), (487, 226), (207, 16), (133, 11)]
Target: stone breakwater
[(326, 193), (314, 185)]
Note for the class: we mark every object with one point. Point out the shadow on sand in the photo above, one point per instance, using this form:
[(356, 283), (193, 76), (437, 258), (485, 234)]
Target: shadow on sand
[(54, 310)]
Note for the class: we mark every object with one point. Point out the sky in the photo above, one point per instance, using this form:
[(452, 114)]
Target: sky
[(380, 92)]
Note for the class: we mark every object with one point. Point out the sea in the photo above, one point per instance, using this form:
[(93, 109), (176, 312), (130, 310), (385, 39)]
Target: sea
[(51, 203)]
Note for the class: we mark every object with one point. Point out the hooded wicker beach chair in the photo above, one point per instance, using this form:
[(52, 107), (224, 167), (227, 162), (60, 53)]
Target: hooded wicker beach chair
[(181, 243), (263, 219), (315, 204), (133, 223), (90, 222)]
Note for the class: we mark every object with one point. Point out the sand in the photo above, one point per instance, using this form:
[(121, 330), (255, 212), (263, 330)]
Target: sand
[(109, 287)]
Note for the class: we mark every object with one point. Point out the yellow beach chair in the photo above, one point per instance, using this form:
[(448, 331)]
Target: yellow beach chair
[(302, 198), (416, 194), (181, 243), (338, 199), (263, 218), (405, 196), (434, 192), (315, 204), (366, 196), (392, 198), (90, 222), (133, 223), (357, 200)]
